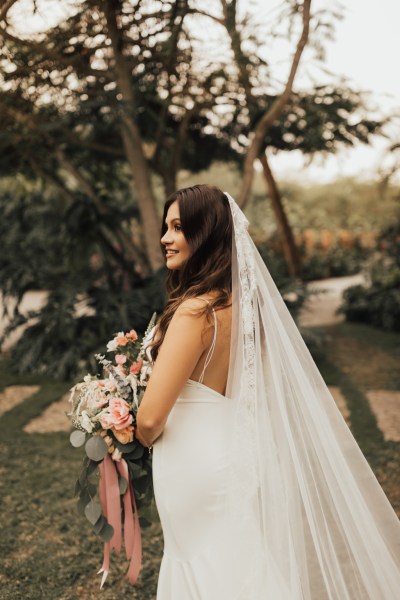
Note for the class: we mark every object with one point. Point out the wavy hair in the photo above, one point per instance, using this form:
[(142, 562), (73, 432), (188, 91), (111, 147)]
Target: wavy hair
[(207, 225)]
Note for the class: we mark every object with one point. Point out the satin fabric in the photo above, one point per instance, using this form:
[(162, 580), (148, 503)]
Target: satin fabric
[(191, 462)]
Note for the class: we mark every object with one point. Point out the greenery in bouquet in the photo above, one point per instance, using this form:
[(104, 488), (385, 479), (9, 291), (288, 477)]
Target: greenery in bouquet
[(104, 416)]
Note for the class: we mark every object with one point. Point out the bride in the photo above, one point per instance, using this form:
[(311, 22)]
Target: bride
[(261, 489)]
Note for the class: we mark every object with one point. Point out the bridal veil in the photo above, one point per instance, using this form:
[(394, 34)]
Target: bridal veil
[(312, 521)]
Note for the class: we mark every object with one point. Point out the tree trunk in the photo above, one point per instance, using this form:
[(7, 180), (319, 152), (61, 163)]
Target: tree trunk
[(133, 143), (273, 113), (289, 246)]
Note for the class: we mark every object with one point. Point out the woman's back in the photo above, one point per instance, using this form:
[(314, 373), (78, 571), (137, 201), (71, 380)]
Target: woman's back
[(191, 465), (212, 366)]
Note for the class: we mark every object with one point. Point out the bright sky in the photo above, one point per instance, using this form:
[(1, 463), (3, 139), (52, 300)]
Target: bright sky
[(366, 51)]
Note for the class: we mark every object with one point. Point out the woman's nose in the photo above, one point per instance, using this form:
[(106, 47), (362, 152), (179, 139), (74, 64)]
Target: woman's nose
[(164, 238)]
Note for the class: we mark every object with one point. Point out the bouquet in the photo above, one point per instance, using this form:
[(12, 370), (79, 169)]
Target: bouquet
[(104, 416)]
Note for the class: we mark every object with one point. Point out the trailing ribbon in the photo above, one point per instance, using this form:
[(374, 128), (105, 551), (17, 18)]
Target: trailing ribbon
[(111, 507)]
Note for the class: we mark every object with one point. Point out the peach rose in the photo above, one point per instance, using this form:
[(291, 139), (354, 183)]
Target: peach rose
[(136, 366), (120, 359), (121, 339), (132, 335), (125, 436), (120, 415)]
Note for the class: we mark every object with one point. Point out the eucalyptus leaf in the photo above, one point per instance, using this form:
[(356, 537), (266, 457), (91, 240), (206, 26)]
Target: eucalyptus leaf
[(96, 448), (83, 478), (135, 453), (92, 489), (81, 505), (77, 488), (106, 532), (141, 484), (144, 522), (123, 485), (92, 466), (93, 511), (85, 496), (98, 526), (126, 448), (77, 438), (134, 469)]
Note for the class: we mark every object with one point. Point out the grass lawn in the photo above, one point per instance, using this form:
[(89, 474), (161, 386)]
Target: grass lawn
[(48, 551)]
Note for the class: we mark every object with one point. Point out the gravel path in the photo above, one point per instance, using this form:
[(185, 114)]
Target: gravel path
[(325, 299)]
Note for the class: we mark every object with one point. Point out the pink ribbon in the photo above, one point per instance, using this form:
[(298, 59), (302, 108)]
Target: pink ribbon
[(111, 507)]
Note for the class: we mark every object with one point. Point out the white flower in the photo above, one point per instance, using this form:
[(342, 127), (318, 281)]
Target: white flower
[(110, 384), (116, 455), (87, 378), (86, 422), (145, 372), (111, 345)]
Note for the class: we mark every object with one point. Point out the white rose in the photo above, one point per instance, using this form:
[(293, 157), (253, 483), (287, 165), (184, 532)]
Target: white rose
[(111, 346)]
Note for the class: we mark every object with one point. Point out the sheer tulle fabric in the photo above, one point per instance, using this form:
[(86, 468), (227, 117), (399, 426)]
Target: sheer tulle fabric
[(312, 520)]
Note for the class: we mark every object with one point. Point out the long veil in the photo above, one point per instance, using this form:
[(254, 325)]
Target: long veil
[(313, 522)]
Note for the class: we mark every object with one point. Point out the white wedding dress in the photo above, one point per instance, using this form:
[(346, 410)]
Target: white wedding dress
[(191, 463)]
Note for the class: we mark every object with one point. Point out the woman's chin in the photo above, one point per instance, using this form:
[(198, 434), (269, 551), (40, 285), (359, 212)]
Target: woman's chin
[(173, 264)]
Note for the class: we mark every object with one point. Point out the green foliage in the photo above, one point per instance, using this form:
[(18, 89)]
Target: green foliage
[(79, 255), (379, 302), (336, 261), (292, 290)]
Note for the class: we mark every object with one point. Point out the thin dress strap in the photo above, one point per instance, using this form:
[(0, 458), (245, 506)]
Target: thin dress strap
[(211, 350)]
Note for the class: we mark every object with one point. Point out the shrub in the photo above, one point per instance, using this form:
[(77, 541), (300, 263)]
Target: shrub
[(378, 303)]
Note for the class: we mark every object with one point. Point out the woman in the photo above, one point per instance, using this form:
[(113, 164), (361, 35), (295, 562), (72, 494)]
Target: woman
[(262, 491)]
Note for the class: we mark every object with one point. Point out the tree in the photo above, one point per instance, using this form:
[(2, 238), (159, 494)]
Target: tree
[(317, 121)]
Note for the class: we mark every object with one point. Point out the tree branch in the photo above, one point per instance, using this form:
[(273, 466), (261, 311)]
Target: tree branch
[(274, 112)]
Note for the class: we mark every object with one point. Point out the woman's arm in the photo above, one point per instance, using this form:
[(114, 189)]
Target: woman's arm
[(176, 360)]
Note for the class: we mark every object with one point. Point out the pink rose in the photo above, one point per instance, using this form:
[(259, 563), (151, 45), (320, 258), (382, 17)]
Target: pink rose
[(136, 366), (119, 411), (132, 335), (121, 339), (120, 359), (106, 420), (125, 436)]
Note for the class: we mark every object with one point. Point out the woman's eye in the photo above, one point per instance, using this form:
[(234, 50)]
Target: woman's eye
[(179, 227)]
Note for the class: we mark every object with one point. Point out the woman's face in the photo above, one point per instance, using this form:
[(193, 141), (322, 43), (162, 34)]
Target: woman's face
[(176, 246)]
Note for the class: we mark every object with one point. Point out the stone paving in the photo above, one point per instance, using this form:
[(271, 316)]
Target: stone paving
[(341, 403), (385, 405), (53, 418), (15, 394)]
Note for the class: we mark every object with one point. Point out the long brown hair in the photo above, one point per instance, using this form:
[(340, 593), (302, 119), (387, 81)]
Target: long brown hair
[(207, 225)]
